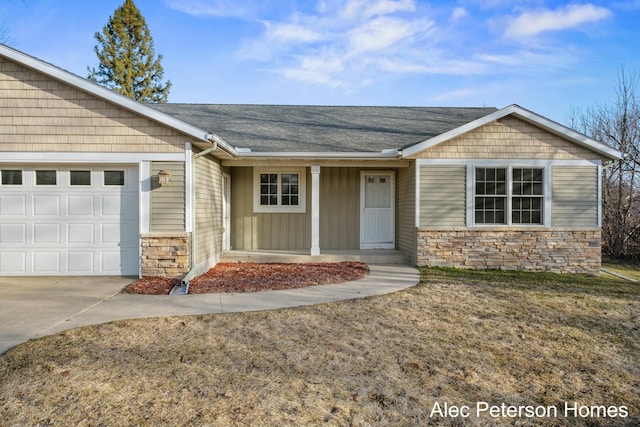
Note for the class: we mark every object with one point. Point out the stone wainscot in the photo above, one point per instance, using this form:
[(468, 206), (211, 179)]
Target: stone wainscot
[(554, 250), (165, 254)]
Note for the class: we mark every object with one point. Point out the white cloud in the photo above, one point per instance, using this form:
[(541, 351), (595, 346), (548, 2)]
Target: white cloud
[(347, 44), (458, 13), (217, 8), (291, 33), (343, 42), (571, 16), (368, 9), (380, 34)]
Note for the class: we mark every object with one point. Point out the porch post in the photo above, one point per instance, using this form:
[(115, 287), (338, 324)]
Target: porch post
[(315, 210)]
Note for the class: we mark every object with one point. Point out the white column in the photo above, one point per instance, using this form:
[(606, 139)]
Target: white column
[(188, 188), (315, 210), (144, 170)]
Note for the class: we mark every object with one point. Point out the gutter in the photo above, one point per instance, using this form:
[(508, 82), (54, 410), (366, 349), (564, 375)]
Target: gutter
[(384, 154)]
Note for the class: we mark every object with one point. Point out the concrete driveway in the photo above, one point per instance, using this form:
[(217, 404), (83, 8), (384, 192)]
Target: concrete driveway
[(35, 306), (31, 306)]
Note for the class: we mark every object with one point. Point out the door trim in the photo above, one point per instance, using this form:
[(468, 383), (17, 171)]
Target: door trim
[(226, 212), (387, 244)]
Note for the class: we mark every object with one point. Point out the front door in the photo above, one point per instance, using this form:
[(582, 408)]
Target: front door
[(377, 222)]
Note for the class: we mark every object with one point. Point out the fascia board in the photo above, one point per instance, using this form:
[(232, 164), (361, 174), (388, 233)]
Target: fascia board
[(101, 92), (320, 155), (526, 115)]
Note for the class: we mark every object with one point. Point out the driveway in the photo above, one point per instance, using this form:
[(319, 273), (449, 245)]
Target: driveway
[(31, 306), (35, 306)]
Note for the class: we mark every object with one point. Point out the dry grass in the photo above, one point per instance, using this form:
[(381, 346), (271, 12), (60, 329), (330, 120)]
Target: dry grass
[(458, 338)]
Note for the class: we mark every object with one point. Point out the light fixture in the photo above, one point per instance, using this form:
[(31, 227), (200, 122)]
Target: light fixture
[(164, 176)]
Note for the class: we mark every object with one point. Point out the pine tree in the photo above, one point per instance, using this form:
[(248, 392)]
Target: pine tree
[(127, 59)]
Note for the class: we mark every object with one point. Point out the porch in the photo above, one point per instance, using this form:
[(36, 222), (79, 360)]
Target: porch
[(368, 256)]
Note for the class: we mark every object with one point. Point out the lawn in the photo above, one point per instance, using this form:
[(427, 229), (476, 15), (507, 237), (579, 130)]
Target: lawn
[(498, 342)]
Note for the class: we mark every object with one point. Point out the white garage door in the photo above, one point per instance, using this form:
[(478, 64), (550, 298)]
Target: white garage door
[(68, 220)]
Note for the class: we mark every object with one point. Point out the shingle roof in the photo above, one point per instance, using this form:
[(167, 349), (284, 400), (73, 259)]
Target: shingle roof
[(294, 128)]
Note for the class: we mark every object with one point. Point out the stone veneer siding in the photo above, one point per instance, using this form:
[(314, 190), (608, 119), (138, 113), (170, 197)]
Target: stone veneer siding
[(554, 250), (165, 254)]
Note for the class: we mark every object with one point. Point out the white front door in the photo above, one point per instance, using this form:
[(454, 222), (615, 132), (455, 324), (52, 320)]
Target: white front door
[(377, 222)]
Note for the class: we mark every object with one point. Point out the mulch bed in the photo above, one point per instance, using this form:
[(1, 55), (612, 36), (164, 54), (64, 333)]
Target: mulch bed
[(255, 277)]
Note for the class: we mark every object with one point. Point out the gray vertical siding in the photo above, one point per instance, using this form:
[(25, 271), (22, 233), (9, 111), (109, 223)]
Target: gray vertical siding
[(406, 208), (168, 201), (443, 196), (268, 231), (575, 196), (208, 211), (339, 214), (339, 208)]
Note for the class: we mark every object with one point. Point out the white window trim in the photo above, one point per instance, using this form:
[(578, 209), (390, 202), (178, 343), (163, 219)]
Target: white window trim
[(300, 208), (546, 197)]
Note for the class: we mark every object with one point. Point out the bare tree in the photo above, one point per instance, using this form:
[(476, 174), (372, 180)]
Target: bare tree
[(617, 124), (5, 35)]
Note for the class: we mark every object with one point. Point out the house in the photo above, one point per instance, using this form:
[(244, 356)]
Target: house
[(94, 183)]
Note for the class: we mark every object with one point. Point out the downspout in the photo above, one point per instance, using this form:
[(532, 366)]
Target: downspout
[(182, 288)]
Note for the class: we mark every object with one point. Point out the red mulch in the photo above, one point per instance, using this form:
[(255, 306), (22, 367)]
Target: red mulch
[(151, 286), (254, 277)]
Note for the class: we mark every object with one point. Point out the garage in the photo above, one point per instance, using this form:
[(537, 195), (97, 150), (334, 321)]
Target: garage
[(69, 219)]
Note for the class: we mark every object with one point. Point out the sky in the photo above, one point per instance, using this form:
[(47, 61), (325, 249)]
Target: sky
[(551, 57)]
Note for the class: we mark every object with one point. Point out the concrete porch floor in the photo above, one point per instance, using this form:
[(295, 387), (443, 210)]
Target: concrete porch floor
[(369, 256)]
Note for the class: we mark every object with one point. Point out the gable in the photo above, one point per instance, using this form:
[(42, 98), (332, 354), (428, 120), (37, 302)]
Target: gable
[(508, 138), (41, 114)]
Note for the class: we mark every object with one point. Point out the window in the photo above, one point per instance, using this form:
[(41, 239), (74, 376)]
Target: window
[(11, 177), (279, 190), (113, 177), (80, 177), (46, 177), (527, 196), (509, 196), (491, 195)]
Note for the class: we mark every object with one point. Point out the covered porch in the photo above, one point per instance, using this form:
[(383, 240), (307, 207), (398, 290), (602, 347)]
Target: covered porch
[(335, 211)]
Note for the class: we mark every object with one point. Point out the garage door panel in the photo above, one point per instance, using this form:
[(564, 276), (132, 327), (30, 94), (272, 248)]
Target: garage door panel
[(13, 262), (44, 233), (110, 234), (81, 234), (79, 205), (111, 205), (46, 205), (13, 204), (73, 228), (47, 262), (13, 233), (111, 261), (80, 262)]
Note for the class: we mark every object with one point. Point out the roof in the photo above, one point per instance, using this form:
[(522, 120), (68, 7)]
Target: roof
[(322, 129)]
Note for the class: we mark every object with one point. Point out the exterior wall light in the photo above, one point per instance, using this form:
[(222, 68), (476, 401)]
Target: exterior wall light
[(164, 176)]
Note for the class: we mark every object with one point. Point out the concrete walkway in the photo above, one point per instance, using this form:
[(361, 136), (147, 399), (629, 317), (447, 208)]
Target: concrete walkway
[(35, 306)]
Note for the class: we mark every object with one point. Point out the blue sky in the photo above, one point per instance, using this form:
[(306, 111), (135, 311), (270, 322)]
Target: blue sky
[(547, 56)]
